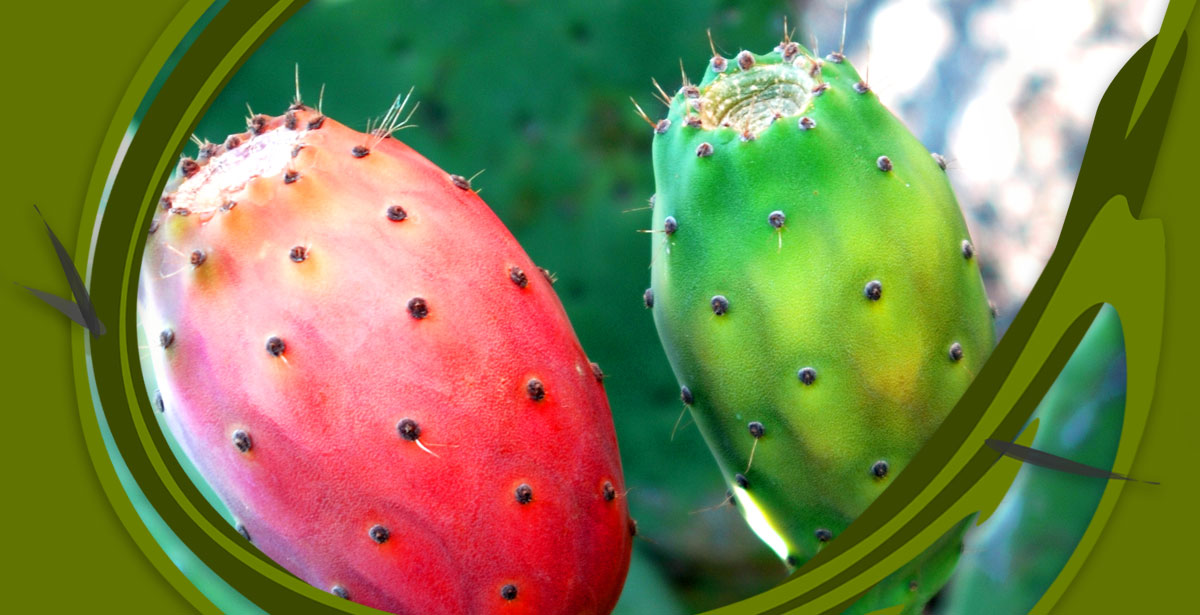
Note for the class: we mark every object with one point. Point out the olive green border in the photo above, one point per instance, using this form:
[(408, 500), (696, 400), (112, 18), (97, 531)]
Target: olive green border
[(1106, 253)]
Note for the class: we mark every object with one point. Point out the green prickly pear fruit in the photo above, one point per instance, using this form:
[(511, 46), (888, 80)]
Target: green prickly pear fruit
[(816, 292)]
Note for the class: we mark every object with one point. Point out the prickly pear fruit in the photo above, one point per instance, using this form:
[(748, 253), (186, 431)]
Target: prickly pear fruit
[(816, 292), (376, 379)]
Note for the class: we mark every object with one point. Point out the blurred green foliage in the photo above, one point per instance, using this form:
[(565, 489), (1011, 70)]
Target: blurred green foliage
[(1011, 559)]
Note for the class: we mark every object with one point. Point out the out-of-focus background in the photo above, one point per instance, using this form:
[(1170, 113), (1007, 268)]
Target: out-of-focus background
[(537, 93)]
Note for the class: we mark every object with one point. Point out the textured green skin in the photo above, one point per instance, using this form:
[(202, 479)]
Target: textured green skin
[(885, 379), (1012, 559)]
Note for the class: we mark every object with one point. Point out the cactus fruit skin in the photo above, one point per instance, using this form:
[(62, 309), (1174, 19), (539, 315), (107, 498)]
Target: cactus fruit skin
[(812, 274), (377, 381)]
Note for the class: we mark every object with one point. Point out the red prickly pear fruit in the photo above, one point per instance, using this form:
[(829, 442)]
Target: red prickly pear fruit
[(370, 372)]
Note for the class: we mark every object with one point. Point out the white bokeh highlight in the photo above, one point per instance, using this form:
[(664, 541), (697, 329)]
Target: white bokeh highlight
[(1022, 80)]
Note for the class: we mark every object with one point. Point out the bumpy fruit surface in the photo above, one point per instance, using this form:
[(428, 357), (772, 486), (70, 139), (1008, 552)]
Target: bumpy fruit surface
[(376, 379), (816, 292)]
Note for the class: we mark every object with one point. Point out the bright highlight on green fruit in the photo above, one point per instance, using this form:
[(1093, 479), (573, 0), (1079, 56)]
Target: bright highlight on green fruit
[(817, 294)]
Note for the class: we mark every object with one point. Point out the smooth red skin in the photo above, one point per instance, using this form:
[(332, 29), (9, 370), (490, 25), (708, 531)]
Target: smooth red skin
[(327, 462)]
